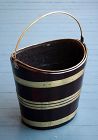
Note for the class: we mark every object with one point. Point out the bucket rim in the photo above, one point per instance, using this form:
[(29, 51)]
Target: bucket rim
[(31, 68)]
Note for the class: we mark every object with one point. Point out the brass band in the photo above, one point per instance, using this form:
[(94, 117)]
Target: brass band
[(49, 123), (50, 104), (49, 84)]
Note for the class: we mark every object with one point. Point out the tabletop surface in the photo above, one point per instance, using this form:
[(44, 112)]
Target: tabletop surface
[(14, 17)]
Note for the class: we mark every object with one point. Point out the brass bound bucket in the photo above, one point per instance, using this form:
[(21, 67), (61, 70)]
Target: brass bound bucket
[(48, 79)]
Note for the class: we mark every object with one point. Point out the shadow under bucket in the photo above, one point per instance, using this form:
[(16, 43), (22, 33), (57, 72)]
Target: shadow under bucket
[(48, 79)]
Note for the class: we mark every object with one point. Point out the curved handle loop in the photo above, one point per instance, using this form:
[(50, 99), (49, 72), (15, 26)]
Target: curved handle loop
[(47, 14)]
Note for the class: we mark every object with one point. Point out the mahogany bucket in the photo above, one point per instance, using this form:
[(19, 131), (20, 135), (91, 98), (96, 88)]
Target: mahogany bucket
[(48, 78)]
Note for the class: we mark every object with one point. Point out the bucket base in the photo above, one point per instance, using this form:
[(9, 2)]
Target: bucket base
[(27, 123)]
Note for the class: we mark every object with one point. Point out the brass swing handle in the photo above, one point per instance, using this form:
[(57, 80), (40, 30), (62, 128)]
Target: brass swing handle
[(35, 21)]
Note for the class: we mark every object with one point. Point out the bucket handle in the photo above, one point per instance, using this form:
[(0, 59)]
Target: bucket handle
[(35, 21)]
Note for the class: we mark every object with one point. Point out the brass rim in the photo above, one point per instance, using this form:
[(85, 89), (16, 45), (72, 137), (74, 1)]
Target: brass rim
[(16, 61)]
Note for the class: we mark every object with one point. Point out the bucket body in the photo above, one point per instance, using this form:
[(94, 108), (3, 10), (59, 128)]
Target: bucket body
[(48, 86)]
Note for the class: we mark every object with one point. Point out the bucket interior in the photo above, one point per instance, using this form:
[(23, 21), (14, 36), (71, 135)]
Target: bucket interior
[(53, 55)]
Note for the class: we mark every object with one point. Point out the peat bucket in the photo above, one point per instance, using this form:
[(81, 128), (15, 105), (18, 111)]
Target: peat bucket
[(48, 79)]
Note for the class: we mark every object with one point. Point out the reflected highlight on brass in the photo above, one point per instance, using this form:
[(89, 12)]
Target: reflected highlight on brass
[(49, 84)]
